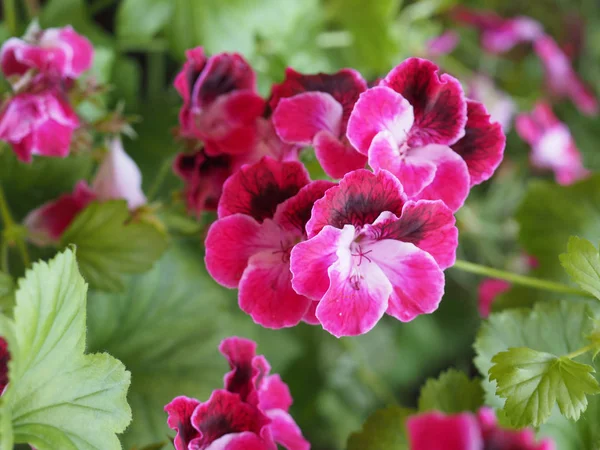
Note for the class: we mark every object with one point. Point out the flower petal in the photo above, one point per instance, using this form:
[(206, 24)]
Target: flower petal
[(286, 432), (180, 412), (337, 157), (274, 394), (310, 317), (460, 432), (239, 441), (438, 102), (488, 291)]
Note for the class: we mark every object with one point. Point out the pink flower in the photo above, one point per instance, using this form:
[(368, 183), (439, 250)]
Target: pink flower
[(38, 124), (499, 104), (55, 51), (419, 126), (47, 223), (551, 144), (443, 44), (499, 35), (262, 213), (118, 177), (561, 78), (371, 251), (221, 103), (467, 431), (489, 290), (314, 110), (251, 413), (4, 359)]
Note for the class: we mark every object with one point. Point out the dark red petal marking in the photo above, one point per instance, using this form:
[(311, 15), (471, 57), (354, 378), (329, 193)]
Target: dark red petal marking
[(358, 200), (482, 146), (240, 354), (180, 412), (4, 358), (295, 211), (256, 190), (438, 102)]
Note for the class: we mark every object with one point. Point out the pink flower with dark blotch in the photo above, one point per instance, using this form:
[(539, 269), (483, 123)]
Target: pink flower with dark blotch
[(499, 35), (47, 223), (118, 177), (500, 105), (489, 290), (419, 126), (443, 44), (561, 77), (262, 214), (372, 251), (38, 124), (552, 146), (467, 431), (314, 110), (4, 359), (58, 52), (221, 103)]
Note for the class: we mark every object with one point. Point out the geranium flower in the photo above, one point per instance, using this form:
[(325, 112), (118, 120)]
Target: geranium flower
[(561, 77), (443, 44), (314, 110), (251, 413), (488, 291), (419, 126), (221, 103), (4, 359), (499, 35), (40, 123), (262, 213), (467, 431), (552, 146), (55, 51), (371, 251), (500, 105)]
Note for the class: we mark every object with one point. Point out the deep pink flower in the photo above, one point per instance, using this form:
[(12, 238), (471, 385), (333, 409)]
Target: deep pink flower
[(47, 223), (551, 144), (408, 124), (489, 290), (221, 103), (55, 51), (38, 124), (500, 105), (498, 35), (371, 251), (262, 213), (314, 110), (4, 359), (561, 77), (443, 44), (467, 431)]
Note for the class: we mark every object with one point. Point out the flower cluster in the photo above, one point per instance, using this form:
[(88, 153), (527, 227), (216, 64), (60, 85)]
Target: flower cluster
[(39, 119), (250, 413), (335, 254)]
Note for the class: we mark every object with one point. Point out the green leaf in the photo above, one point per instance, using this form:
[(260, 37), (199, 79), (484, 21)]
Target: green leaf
[(142, 19), (532, 382), (582, 263), (58, 397), (109, 246), (383, 430), (441, 393)]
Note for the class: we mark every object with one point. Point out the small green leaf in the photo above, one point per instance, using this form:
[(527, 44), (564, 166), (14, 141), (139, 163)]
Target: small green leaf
[(58, 397), (532, 382), (441, 393), (142, 19), (383, 430), (582, 263), (108, 246)]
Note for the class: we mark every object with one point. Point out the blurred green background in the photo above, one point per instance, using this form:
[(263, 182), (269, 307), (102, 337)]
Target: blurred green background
[(166, 326)]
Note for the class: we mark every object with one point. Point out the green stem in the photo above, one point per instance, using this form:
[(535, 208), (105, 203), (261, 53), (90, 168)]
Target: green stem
[(9, 224), (10, 16), (581, 351), (164, 170), (519, 279), (33, 8)]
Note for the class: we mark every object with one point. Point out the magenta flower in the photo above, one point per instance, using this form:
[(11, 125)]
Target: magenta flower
[(221, 103), (314, 110), (47, 223), (58, 52), (38, 124), (467, 431), (500, 105), (251, 413), (443, 44), (4, 359), (552, 146), (371, 251), (419, 126), (489, 290), (561, 78), (499, 35), (262, 213)]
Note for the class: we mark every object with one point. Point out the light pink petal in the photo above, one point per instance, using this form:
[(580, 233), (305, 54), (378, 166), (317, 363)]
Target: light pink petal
[(443, 44), (417, 280), (500, 105), (50, 138), (379, 109), (180, 412), (294, 213), (50, 60), (439, 105), (298, 119), (239, 441), (358, 292), (274, 394), (510, 32), (358, 199), (285, 431), (435, 431), (451, 183), (337, 157), (79, 50), (489, 290)]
